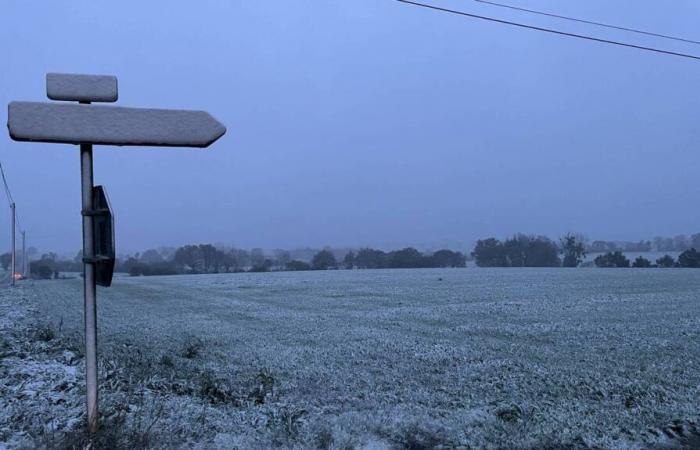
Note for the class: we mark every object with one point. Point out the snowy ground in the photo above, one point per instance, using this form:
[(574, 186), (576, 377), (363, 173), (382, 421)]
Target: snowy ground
[(416, 359)]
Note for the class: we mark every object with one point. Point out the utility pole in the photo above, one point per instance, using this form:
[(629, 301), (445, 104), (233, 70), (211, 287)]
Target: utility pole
[(24, 253), (14, 249)]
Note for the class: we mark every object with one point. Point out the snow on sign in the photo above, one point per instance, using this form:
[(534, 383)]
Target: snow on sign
[(111, 125), (81, 88), (85, 125)]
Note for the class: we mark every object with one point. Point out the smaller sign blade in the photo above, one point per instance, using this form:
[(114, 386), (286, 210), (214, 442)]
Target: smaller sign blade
[(81, 88), (111, 125)]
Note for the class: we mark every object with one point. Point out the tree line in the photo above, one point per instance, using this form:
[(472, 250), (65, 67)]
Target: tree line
[(520, 250), (206, 258), (677, 243), (687, 259), (570, 251), (524, 250)]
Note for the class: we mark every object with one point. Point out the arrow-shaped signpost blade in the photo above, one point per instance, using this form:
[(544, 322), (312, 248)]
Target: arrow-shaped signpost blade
[(111, 125)]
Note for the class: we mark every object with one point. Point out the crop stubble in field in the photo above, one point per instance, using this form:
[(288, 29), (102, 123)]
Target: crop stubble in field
[(482, 358)]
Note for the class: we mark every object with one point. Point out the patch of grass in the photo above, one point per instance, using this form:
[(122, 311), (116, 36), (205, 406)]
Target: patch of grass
[(74, 342), (192, 347), (512, 413), (324, 439), (44, 332), (286, 424), (264, 388), (214, 389), (117, 431), (422, 437), (167, 361), (4, 343)]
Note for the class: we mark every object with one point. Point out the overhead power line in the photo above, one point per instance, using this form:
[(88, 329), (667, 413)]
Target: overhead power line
[(550, 30), (8, 194), (589, 22), (7, 188)]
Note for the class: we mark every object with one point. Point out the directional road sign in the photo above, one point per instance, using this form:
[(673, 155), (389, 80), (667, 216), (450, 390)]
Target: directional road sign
[(81, 88), (86, 124), (111, 125)]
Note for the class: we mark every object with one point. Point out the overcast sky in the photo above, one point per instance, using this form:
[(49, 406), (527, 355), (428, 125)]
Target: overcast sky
[(365, 122)]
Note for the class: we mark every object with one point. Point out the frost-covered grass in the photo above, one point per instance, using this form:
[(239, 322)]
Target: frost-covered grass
[(416, 359)]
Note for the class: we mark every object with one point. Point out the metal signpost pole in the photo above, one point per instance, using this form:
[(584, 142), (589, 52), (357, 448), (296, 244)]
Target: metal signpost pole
[(14, 249), (90, 291)]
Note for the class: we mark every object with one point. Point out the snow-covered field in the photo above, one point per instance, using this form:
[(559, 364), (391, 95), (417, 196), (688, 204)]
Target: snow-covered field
[(382, 359)]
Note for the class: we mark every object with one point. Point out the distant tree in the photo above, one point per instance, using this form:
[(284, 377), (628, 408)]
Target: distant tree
[(264, 266), (602, 247), (229, 262), (695, 241), (303, 254), (681, 243), (210, 258), (50, 256), (407, 258), (136, 270), (349, 260), (368, 258), (641, 262), (168, 253), (662, 244), (127, 265), (257, 257), (665, 261), (6, 260), (612, 259), (189, 256), (42, 268), (282, 257), (324, 260), (448, 258), (206, 257), (151, 257), (295, 265), (542, 252), (490, 253), (530, 251), (689, 258), (573, 249), (161, 268), (516, 249), (242, 257), (641, 246)]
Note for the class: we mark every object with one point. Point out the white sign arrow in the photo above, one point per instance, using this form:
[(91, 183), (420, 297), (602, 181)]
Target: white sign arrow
[(111, 125)]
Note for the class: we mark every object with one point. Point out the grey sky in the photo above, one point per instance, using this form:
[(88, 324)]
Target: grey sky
[(365, 122)]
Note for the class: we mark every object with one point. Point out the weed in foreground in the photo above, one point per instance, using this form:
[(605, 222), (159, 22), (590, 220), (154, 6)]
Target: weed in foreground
[(44, 333), (265, 387), (192, 347)]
